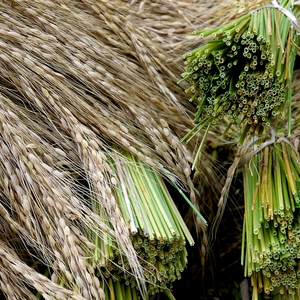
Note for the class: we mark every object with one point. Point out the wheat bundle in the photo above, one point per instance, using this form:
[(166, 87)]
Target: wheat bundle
[(74, 80), (157, 230)]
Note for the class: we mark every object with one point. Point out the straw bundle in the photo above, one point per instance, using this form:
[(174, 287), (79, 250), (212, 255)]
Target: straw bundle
[(271, 182), (270, 247), (244, 73)]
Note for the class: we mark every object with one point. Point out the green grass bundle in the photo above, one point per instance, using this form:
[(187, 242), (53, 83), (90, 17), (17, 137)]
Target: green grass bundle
[(244, 72), (271, 256), (158, 232)]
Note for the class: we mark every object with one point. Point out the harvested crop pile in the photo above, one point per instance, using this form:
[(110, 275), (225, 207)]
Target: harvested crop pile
[(78, 79), (92, 119)]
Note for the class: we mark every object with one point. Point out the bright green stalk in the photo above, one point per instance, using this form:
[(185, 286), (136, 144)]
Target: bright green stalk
[(189, 202), (156, 205), (150, 208), (176, 215), (140, 212), (243, 242), (200, 146), (222, 28), (118, 290), (287, 168)]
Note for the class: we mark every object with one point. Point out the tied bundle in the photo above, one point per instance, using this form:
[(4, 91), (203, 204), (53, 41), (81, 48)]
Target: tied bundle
[(271, 232), (243, 74), (158, 232)]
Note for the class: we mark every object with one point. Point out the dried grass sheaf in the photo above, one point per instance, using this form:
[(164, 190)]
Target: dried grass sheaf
[(75, 78)]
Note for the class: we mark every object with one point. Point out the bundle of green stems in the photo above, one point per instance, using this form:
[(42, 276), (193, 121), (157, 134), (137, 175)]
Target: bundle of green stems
[(115, 289), (244, 72), (158, 232), (271, 235)]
